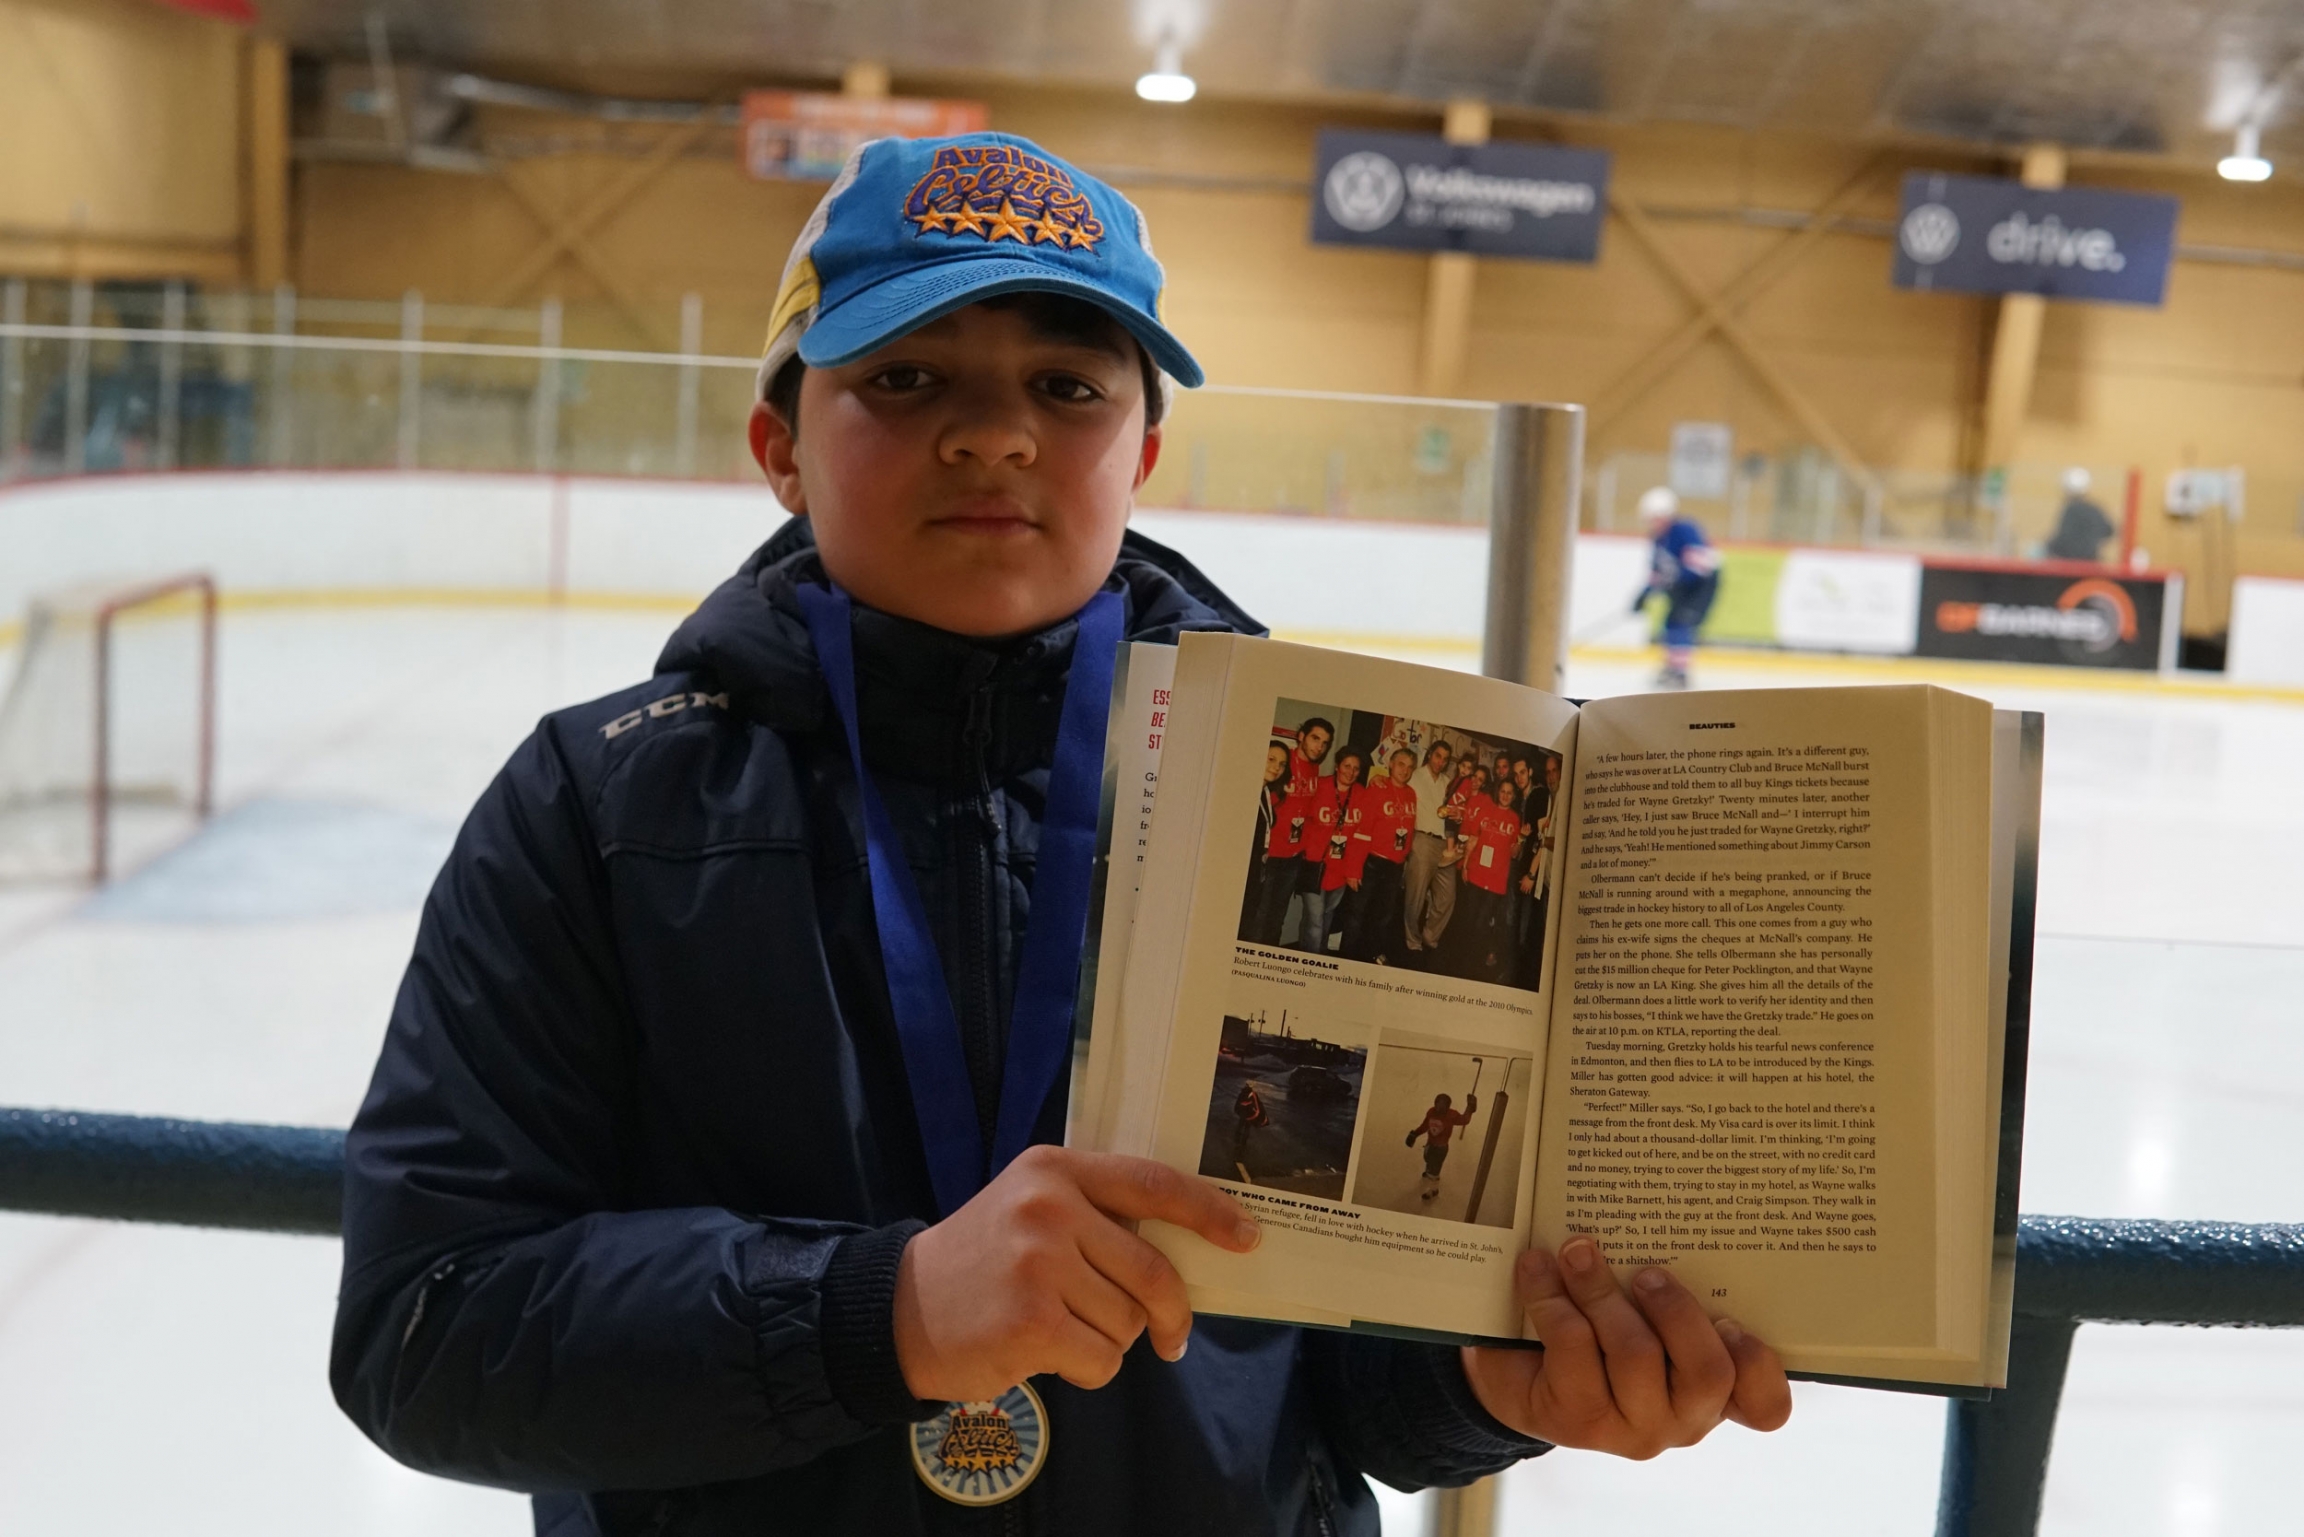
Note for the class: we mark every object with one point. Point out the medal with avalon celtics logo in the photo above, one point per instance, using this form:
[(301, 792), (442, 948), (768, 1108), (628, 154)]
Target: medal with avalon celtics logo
[(985, 1451)]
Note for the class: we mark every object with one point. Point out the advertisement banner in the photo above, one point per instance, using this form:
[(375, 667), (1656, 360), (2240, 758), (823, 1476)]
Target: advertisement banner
[(1418, 192), (2006, 614), (1845, 600), (1986, 235), (1703, 458), (808, 135)]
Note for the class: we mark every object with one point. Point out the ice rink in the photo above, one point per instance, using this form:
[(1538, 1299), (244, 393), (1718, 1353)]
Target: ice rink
[(173, 1381)]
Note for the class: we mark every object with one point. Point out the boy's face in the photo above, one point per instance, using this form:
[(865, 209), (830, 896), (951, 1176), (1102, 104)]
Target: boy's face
[(1316, 744), (1403, 765), (975, 475)]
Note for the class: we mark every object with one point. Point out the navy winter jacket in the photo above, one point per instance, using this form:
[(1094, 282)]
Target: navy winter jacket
[(624, 1205)]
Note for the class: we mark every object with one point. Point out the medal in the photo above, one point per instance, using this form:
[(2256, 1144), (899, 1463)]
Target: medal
[(983, 1452)]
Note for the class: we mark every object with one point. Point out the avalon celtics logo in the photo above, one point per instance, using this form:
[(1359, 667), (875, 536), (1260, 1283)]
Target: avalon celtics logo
[(983, 1452)]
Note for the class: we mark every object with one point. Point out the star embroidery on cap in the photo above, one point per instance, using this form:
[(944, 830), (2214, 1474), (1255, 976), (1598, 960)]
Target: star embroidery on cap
[(971, 220), (1005, 225), (932, 220)]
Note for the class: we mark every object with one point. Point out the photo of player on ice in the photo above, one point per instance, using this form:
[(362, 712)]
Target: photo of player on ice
[(1437, 1127), (1394, 841), (1282, 1106), (1464, 1109)]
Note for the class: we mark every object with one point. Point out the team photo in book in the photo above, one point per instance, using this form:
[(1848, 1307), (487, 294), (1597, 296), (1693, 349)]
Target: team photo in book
[(1402, 842), (1447, 1124), (1282, 1107)]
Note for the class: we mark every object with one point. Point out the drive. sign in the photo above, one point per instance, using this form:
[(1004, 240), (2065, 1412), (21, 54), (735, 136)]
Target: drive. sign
[(1983, 235)]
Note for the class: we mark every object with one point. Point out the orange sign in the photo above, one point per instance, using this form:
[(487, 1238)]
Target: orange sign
[(808, 135)]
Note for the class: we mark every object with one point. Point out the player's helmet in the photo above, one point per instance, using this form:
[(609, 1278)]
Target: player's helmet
[(1659, 502)]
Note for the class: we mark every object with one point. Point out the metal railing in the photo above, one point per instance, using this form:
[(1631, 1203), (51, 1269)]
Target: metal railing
[(2069, 1270)]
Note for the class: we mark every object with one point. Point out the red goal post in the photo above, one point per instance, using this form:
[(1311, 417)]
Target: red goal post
[(69, 759), (109, 609)]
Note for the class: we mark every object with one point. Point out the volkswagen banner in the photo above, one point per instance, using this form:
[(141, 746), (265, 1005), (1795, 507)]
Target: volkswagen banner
[(2048, 614), (1984, 235), (1415, 192)]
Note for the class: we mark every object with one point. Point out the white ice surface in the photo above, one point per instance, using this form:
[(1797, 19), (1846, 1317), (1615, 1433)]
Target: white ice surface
[(167, 1380)]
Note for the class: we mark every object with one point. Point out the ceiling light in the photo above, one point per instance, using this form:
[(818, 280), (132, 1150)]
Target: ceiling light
[(2244, 163), (1167, 81)]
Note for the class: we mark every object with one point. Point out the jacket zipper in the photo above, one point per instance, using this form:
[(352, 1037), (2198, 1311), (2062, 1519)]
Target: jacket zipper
[(1323, 1510), (979, 907), (978, 1004)]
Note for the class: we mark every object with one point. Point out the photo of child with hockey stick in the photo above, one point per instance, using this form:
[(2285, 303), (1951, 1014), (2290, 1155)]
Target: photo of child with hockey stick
[(1447, 1122), (1401, 842), (1281, 1109)]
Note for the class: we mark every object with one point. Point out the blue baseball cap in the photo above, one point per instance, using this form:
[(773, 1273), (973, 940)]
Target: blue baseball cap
[(913, 229)]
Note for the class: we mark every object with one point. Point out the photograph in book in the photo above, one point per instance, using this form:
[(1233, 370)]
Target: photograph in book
[(1447, 1121), (1395, 841), (1283, 1106)]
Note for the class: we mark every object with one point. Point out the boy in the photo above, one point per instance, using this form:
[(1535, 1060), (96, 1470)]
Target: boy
[(707, 1181), (1437, 1129)]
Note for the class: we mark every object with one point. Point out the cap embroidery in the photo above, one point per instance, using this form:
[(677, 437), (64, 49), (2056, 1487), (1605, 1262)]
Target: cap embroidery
[(997, 192)]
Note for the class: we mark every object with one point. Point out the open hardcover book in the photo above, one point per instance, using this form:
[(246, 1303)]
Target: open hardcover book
[(1426, 967)]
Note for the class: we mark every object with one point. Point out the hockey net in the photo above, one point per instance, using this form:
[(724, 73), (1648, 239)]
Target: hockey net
[(108, 727)]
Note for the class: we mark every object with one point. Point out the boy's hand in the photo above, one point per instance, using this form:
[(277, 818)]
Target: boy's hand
[(1631, 1373), (1037, 1274)]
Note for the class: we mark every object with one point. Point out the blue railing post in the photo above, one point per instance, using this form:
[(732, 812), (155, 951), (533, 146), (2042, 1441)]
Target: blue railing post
[(2074, 1270), (1996, 1449)]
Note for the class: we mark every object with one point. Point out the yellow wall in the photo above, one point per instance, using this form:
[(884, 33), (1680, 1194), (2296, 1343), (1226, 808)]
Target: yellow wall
[(119, 140), (134, 112)]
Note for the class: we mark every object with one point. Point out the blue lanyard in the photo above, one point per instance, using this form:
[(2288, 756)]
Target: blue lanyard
[(1047, 975)]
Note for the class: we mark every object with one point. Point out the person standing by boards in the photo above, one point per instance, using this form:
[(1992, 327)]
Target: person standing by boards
[(709, 1178), (2081, 525), (1684, 569)]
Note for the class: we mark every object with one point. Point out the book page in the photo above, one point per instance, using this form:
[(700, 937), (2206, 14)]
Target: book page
[(1770, 1073), (1344, 945), (1138, 721)]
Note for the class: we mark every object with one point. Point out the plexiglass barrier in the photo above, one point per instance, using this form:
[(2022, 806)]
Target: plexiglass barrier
[(140, 377)]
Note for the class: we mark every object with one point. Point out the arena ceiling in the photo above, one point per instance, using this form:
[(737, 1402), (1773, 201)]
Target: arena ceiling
[(2161, 77)]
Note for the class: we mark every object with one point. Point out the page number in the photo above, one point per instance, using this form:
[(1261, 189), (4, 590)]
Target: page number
[(1719, 1291)]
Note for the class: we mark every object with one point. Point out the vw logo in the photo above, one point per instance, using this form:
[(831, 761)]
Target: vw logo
[(1363, 191), (1929, 233)]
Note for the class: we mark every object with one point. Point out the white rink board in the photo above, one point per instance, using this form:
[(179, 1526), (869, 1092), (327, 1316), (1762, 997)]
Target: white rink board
[(2267, 644), (423, 534)]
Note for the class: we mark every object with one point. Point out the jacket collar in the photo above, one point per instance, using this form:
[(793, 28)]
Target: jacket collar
[(923, 693)]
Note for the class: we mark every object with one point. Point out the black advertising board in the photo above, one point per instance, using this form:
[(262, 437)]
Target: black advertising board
[(1988, 235), (2010, 614), (1418, 192)]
